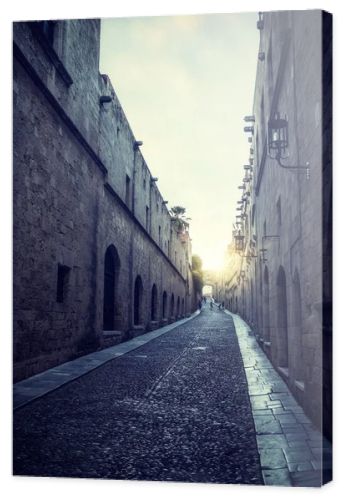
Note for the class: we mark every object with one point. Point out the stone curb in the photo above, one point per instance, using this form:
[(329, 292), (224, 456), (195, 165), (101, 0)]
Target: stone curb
[(35, 387), (292, 451)]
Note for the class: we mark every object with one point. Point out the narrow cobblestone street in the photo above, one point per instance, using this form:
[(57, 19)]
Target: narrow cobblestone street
[(176, 409)]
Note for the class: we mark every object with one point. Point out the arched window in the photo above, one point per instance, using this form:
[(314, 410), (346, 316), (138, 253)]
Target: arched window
[(282, 321), (111, 274), (164, 307), (154, 303), (138, 299)]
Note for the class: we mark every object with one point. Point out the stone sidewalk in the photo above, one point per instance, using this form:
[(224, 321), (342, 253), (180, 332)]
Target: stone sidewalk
[(292, 451)]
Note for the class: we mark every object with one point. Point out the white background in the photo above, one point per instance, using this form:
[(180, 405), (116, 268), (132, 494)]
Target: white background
[(36, 488)]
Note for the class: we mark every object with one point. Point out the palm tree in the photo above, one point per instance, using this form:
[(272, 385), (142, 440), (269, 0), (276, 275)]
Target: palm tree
[(179, 219)]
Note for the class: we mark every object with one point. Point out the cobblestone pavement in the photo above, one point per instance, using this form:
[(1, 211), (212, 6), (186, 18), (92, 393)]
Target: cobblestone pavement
[(175, 409)]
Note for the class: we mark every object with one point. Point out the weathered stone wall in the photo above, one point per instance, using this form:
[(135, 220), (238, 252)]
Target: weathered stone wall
[(71, 158), (281, 294)]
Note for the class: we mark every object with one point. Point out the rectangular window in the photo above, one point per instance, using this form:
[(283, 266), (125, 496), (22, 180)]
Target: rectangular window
[(62, 282)]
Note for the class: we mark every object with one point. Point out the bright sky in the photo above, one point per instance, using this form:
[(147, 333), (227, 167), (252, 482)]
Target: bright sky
[(185, 84)]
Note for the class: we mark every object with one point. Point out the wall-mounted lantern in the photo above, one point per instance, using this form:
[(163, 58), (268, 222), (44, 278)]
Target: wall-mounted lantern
[(278, 142), (239, 239), (165, 202), (137, 144), (249, 128), (249, 118), (261, 56), (154, 179)]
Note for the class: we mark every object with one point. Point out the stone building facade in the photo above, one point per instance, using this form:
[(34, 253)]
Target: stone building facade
[(97, 259), (278, 271)]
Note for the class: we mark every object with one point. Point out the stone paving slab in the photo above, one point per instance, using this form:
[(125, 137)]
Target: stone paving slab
[(37, 386), (292, 451)]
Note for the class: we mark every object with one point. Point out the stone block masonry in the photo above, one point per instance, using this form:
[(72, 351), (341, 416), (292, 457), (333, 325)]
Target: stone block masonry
[(93, 239)]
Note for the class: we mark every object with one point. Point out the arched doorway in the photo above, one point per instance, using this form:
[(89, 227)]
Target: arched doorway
[(282, 319), (297, 325), (154, 303), (111, 274), (266, 306), (164, 305), (138, 299), (172, 306), (183, 311)]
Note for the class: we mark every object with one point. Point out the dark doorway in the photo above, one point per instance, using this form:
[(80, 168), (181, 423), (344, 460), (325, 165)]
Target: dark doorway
[(282, 322), (297, 325), (266, 310), (138, 298), (154, 303), (164, 304), (172, 306), (178, 307), (111, 271)]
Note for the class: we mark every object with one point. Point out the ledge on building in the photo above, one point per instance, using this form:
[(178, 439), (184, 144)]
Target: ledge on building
[(283, 370), (153, 325), (137, 330), (111, 337)]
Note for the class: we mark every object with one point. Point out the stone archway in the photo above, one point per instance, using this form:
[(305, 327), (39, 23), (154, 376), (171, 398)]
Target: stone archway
[(138, 301), (111, 275), (164, 305), (266, 306), (172, 306), (297, 327), (282, 320), (154, 303)]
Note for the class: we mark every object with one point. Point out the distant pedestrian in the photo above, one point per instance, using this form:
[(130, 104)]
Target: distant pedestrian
[(223, 306), (211, 304), (200, 305)]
